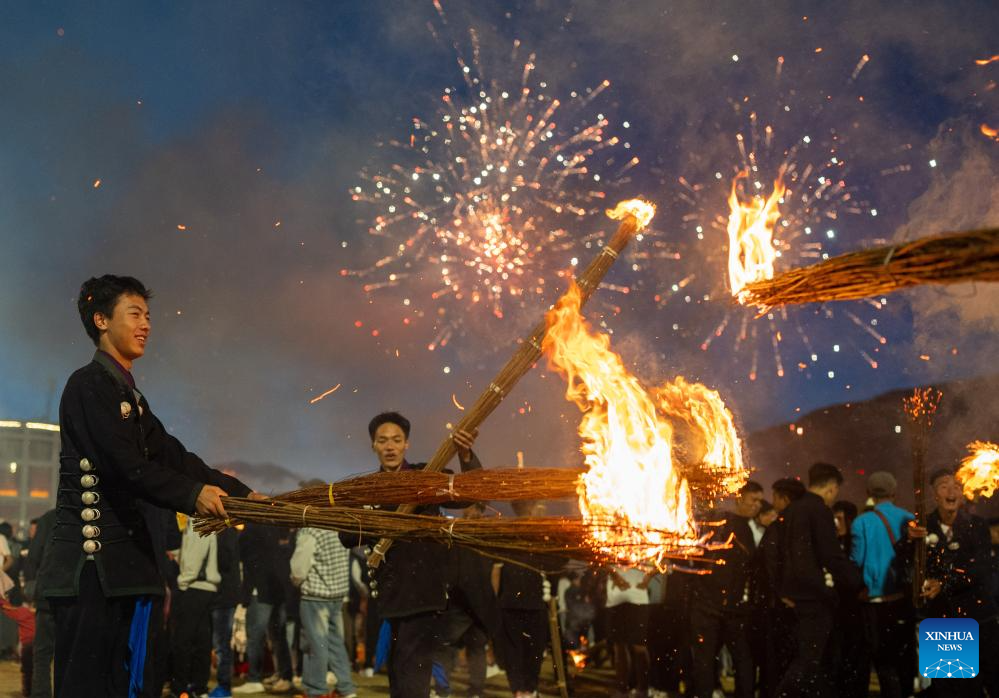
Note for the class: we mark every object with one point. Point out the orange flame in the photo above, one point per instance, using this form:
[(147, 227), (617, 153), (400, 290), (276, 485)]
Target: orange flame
[(979, 471), (990, 132), (627, 443), (641, 211), (704, 412), (751, 253), (986, 61)]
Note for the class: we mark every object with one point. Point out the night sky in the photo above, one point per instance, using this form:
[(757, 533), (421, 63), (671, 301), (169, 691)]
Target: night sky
[(210, 149)]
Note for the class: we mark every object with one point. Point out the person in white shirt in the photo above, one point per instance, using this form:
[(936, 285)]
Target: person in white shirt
[(191, 612), (628, 627), (320, 567)]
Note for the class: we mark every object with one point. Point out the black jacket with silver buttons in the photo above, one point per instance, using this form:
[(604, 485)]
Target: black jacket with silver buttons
[(115, 455)]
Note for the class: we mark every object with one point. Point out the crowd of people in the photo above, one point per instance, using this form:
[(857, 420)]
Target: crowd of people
[(115, 594)]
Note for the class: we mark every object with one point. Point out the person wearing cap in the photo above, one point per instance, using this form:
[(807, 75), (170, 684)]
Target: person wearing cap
[(100, 571), (886, 614)]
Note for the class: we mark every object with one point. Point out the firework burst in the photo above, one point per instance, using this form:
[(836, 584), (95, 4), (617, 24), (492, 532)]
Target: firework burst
[(805, 180), (491, 196)]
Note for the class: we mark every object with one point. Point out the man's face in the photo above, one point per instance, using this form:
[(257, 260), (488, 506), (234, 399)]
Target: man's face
[(748, 504), (779, 500), (947, 494), (768, 518), (125, 333), (390, 446), (840, 518)]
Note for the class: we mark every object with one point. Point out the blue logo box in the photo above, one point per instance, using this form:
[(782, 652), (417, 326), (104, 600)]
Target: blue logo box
[(948, 648)]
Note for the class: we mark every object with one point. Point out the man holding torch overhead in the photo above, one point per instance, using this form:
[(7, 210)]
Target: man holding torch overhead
[(419, 580), (100, 572)]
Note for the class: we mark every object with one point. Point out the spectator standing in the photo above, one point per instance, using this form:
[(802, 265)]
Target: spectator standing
[(44, 645), (265, 571), (886, 613), (523, 595), (224, 610), (628, 628), (191, 616), (814, 569), (320, 567), (848, 658), (721, 605), (778, 619)]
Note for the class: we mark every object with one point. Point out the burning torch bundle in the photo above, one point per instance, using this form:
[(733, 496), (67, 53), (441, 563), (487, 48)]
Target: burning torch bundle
[(945, 259), (979, 471)]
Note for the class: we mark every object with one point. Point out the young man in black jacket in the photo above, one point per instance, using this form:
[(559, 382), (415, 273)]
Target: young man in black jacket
[(418, 580), (777, 624), (813, 571), (721, 606), (100, 571)]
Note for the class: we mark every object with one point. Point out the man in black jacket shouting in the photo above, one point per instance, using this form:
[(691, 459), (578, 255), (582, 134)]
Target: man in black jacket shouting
[(813, 570), (420, 579), (100, 571)]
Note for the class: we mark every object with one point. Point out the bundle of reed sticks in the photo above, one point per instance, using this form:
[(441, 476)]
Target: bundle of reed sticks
[(551, 536), (428, 487), (946, 259)]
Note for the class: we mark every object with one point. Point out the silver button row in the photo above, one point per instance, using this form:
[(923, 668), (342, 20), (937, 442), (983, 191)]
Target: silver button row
[(90, 532)]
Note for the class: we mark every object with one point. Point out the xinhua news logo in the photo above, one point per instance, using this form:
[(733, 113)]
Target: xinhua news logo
[(948, 648)]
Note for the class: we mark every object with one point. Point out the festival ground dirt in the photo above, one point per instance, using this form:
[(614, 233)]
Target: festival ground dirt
[(590, 684)]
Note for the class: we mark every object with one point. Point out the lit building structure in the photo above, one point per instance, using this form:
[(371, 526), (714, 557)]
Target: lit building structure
[(29, 470)]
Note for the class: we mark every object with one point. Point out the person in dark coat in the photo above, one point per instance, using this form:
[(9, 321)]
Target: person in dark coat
[(523, 607), (44, 645), (266, 584), (459, 626), (778, 620), (721, 607), (958, 579), (224, 609), (814, 571), (418, 580), (100, 571), (848, 658)]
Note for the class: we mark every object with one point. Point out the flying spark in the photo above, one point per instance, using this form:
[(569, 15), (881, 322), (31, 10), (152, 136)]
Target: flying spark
[(328, 392)]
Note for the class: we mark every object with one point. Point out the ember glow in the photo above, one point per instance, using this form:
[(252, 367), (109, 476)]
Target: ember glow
[(487, 200), (627, 445), (979, 471), (751, 252)]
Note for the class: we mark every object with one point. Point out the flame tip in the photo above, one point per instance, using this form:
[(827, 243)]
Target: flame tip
[(640, 209)]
